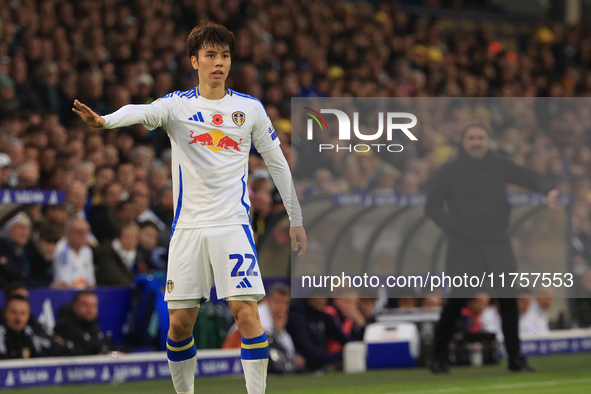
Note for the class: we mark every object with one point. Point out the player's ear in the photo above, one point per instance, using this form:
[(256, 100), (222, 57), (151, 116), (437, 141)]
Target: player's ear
[(195, 62)]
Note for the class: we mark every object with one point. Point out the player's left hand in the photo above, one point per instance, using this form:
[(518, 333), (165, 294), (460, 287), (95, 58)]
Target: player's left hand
[(299, 239), (551, 197)]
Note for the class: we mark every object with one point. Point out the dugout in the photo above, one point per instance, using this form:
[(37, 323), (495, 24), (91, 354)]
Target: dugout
[(392, 236)]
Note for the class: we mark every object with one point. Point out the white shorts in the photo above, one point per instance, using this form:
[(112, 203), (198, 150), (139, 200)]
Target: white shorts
[(225, 254)]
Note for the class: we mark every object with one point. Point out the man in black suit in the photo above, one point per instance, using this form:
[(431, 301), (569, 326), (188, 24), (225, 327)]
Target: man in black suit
[(475, 221)]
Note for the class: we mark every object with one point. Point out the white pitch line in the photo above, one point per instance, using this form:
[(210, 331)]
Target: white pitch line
[(498, 387)]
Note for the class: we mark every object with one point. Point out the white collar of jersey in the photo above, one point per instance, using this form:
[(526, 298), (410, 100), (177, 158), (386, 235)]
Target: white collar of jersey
[(228, 92)]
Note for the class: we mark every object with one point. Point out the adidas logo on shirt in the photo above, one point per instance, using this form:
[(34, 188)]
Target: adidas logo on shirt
[(197, 117), (244, 284)]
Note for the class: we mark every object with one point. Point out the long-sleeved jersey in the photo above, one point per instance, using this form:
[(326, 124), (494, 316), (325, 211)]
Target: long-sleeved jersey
[(211, 142)]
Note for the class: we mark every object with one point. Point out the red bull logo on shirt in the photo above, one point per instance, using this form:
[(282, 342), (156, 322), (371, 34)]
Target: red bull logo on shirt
[(216, 140)]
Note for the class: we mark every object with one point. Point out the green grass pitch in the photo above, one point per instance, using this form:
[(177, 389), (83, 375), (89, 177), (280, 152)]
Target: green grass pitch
[(556, 374)]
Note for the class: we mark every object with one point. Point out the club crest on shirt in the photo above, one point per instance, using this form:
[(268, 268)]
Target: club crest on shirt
[(169, 286), (238, 117), (217, 119)]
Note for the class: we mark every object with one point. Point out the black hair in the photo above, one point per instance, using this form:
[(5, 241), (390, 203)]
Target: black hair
[(80, 294), (148, 223), (12, 286), (212, 34), (17, 297), (479, 125)]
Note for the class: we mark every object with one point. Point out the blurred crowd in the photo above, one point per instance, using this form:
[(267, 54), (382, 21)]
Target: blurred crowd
[(117, 219), (109, 54), (75, 332), (304, 334)]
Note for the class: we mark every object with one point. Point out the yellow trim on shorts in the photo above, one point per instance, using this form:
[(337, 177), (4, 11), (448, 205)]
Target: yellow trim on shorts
[(180, 349), (256, 345)]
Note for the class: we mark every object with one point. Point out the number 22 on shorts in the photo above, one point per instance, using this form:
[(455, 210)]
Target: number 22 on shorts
[(249, 271)]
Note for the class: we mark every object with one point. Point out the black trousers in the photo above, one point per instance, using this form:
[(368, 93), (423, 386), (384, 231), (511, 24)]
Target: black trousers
[(449, 317)]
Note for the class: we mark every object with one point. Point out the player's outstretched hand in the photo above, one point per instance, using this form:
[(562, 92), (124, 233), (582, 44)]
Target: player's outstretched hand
[(551, 197), (88, 116), (299, 239)]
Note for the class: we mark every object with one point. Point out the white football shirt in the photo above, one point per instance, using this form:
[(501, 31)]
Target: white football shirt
[(210, 142), (75, 269)]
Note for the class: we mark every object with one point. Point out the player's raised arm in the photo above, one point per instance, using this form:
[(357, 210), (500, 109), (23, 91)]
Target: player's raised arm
[(151, 116), (89, 117)]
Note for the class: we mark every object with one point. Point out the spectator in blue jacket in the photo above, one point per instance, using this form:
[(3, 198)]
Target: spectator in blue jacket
[(310, 328)]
